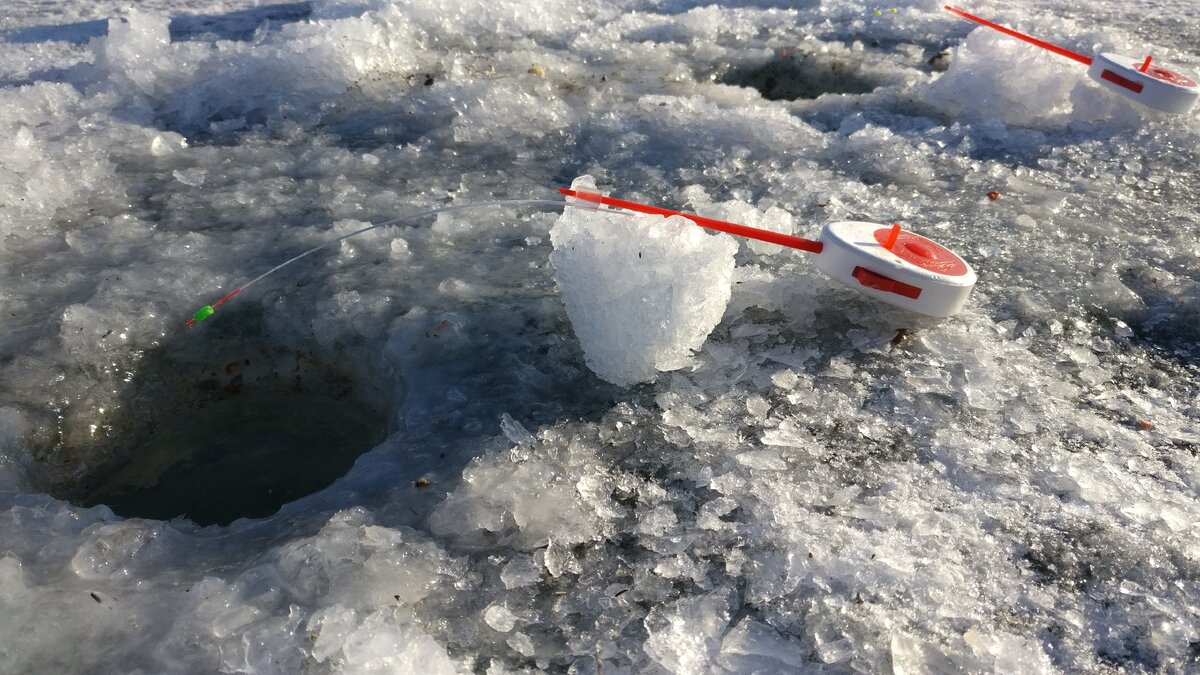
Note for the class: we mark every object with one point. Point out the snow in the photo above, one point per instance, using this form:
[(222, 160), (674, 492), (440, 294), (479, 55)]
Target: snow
[(746, 468)]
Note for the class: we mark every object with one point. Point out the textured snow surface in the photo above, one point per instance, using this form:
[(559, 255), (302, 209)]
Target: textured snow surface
[(823, 484)]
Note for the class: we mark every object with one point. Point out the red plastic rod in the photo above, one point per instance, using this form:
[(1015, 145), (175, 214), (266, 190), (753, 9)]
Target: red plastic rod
[(1061, 51), (1146, 63), (708, 223)]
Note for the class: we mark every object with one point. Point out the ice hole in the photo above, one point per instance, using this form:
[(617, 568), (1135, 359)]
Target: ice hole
[(239, 458), (802, 75), (226, 424)]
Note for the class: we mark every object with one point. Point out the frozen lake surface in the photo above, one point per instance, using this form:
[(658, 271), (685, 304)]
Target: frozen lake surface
[(393, 455)]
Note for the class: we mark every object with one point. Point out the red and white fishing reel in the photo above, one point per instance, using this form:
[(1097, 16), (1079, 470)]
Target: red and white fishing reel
[(895, 266), (885, 263), (1151, 85)]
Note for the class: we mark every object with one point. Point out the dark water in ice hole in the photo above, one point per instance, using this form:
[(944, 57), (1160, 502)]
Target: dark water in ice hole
[(241, 457)]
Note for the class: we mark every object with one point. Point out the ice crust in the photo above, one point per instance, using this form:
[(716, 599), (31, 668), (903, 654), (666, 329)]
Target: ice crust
[(642, 292), (822, 484)]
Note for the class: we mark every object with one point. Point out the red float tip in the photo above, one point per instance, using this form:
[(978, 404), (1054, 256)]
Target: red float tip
[(207, 310), (1146, 63), (226, 298)]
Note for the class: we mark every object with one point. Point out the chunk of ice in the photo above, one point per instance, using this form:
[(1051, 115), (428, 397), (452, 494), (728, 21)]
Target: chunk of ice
[(192, 177), (499, 618), (685, 637), (515, 431), (642, 292), (521, 571)]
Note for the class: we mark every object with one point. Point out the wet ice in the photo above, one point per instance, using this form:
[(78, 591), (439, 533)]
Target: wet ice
[(807, 486)]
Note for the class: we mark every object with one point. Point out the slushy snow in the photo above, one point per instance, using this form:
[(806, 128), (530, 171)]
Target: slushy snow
[(805, 481)]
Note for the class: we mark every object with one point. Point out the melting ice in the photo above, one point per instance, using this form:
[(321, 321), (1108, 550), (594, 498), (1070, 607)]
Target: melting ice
[(811, 482)]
